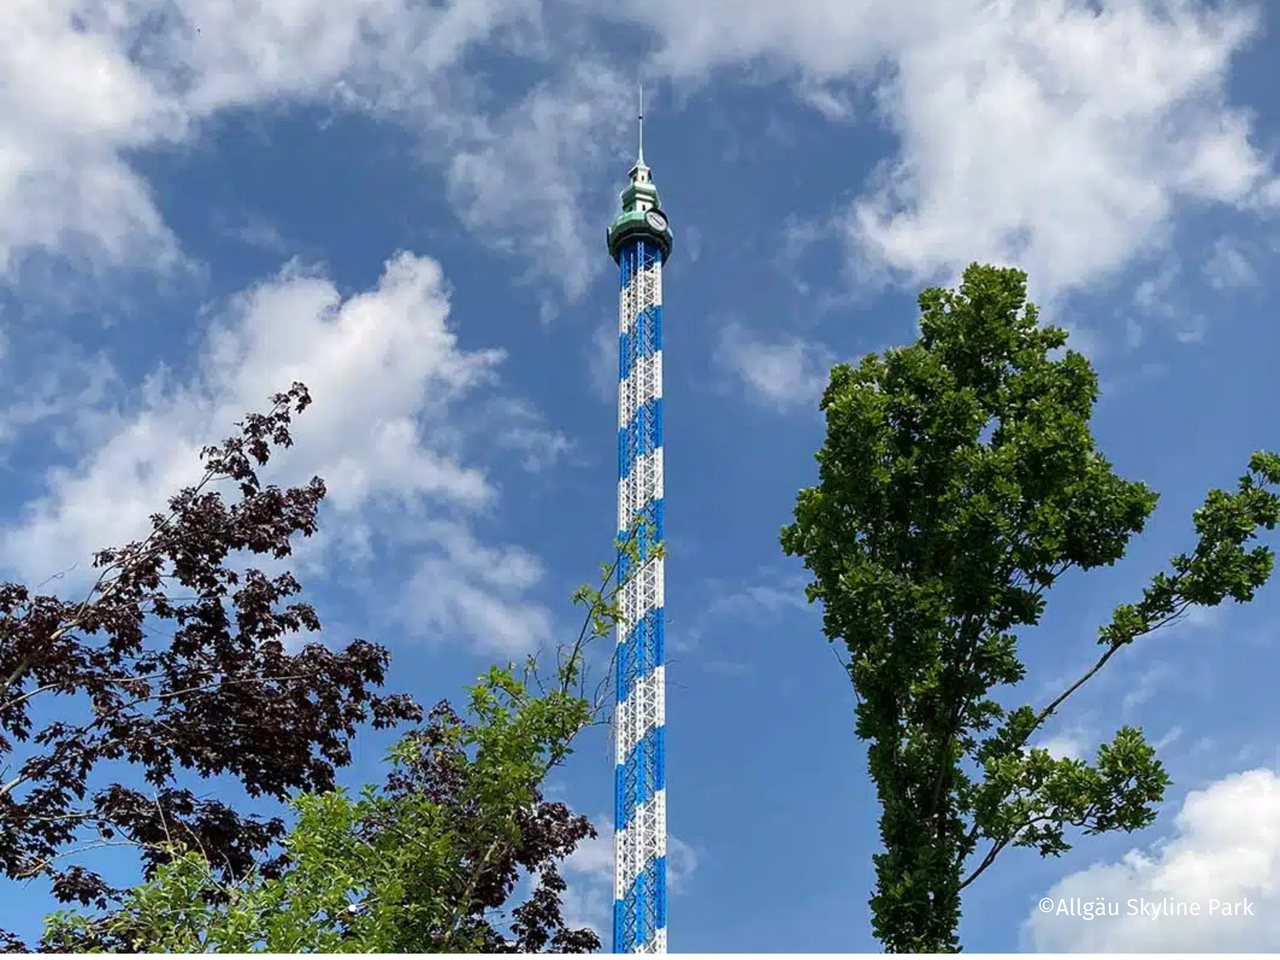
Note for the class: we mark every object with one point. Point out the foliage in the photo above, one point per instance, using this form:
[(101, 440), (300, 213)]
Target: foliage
[(219, 695), (958, 481), (425, 863)]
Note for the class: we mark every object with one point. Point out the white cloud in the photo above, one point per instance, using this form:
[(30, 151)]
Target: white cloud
[(588, 898), (465, 588), (386, 374), (518, 183), (72, 102), (1228, 266), (830, 101), (823, 39), (1152, 295), (783, 374), (593, 857), (602, 362), (253, 231), (1156, 297), (1058, 138), (1170, 737), (515, 425), (1064, 746), (1159, 673), (1226, 847), (65, 386), (772, 594), (1060, 135), (83, 86), (764, 599), (1148, 683)]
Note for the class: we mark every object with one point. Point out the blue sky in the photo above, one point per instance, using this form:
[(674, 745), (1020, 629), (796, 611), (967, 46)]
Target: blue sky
[(403, 203)]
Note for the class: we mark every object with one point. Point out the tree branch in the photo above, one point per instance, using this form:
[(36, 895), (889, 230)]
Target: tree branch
[(1043, 715), (166, 695)]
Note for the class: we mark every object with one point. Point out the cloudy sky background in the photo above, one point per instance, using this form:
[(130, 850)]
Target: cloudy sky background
[(403, 203)]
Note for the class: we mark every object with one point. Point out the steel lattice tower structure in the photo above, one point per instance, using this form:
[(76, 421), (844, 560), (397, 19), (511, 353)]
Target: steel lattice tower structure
[(640, 242)]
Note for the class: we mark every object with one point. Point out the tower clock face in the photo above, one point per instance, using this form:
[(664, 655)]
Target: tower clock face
[(656, 220)]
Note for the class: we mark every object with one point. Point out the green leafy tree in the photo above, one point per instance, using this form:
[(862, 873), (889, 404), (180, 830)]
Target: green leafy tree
[(958, 481), (425, 863)]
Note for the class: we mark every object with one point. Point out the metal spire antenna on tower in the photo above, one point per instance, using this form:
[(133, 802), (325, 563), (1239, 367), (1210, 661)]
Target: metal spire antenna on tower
[(640, 124), (640, 243)]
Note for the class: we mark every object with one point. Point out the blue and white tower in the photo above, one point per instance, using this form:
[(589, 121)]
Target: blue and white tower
[(640, 242)]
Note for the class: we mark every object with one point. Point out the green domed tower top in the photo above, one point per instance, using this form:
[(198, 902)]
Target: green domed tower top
[(642, 217)]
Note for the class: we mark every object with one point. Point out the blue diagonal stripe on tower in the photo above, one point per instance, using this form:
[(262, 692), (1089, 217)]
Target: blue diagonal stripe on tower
[(640, 436), (643, 773), (645, 335), (640, 652)]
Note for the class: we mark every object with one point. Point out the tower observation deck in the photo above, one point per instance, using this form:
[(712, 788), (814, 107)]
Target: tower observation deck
[(640, 242)]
